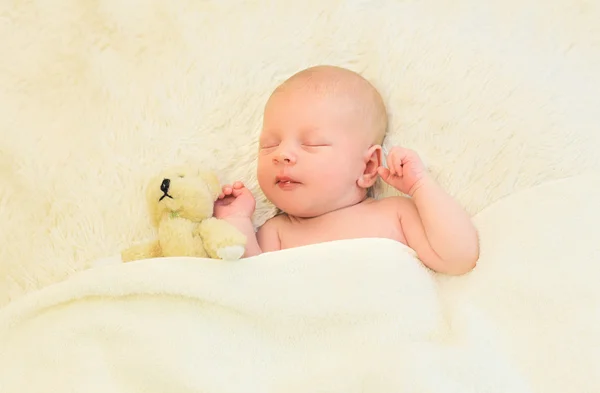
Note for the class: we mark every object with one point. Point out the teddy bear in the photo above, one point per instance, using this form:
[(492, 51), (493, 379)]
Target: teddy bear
[(180, 202)]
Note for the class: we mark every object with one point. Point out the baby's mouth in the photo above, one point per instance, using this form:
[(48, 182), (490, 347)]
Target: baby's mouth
[(165, 195), (284, 180)]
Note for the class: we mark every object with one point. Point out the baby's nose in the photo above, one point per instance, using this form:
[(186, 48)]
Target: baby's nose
[(285, 158)]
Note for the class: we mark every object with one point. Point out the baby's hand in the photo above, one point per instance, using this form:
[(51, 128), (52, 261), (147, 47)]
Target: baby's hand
[(235, 201), (406, 170)]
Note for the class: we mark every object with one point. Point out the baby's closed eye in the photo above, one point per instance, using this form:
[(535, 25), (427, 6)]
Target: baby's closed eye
[(315, 143), (268, 144), (314, 147)]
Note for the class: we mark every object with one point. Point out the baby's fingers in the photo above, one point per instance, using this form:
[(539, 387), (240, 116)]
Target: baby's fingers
[(395, 164), (231, 190), (384, 173), (239, 191), (225, 191), (390, 178)]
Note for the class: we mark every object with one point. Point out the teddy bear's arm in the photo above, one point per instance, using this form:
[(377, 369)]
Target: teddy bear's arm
[(142, 251), (221, 239)]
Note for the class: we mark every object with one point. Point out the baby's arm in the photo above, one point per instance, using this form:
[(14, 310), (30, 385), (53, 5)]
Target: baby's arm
[(268, 235), (264, 240), (435, 225), (244, 225), (439, 230), (236, 205)]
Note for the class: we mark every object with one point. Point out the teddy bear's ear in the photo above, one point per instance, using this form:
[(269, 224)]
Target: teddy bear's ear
[(213, 183)]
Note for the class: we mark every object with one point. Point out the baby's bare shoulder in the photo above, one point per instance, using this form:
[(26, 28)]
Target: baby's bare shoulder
[(275, 222), (269, 234), (393, 203)]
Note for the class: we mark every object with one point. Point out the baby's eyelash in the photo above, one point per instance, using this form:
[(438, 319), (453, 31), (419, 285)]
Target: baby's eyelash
[(268, 145)]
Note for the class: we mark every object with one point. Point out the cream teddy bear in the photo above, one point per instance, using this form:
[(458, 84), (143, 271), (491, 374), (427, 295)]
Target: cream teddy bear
[(181, 203)]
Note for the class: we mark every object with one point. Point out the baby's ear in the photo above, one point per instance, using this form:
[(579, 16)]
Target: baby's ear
[(372, 160)]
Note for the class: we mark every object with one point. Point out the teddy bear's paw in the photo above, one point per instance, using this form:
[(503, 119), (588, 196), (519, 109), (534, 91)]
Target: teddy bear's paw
[(230, 253)]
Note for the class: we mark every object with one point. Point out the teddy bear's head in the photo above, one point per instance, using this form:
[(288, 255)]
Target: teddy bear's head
[(184, 192)]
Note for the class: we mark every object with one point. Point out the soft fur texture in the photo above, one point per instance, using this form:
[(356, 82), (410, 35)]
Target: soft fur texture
[(498, 97)]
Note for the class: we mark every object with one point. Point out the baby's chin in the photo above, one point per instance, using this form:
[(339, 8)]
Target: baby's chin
[(299, 211), (301, 206)]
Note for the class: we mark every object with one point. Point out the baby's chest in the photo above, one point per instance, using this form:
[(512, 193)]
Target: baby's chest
[(340, 227)]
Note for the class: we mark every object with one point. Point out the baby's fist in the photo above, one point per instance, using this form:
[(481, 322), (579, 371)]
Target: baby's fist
[(235, 201), (406, 170)]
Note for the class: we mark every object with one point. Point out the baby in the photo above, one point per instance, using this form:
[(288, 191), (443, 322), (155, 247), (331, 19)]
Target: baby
[(320, 154)]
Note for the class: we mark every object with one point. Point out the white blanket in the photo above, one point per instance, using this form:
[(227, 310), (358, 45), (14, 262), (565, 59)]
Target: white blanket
[(347, 316)]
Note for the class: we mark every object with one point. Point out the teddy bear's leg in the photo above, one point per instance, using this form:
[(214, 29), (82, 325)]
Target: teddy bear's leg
[(142, 251), (222, 240), (231, 253)]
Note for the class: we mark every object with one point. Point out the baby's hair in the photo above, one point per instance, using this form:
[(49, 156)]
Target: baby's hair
[(329, 80)]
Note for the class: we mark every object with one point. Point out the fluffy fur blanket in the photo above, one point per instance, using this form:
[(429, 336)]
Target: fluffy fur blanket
[(499, 97)]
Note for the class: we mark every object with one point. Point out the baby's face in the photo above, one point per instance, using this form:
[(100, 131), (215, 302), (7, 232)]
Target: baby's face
[(311, 152)]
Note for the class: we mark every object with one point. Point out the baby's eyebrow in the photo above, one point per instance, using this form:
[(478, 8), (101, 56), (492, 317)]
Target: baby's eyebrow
[(264, 134), (267, 137), (269, 132), (309, 130)]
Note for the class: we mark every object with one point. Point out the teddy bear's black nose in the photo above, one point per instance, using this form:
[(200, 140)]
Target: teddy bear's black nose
[(164, 186)]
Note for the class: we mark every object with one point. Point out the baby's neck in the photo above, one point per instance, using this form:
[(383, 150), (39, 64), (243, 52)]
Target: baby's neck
[(365, 200)]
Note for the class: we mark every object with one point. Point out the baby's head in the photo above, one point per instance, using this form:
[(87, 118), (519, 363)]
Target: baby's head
[(320, 145)]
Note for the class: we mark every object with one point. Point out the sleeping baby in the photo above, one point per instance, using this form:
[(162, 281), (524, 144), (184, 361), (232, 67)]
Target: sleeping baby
[(320, 155)]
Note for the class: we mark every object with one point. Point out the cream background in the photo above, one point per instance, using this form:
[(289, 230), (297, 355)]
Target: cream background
[(96, 96)]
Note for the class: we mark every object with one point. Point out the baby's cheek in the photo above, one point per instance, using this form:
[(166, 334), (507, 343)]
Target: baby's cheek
[(332, 176), (262, 175)]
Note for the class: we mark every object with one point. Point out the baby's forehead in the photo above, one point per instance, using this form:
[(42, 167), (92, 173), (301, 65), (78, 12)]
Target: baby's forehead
[(343, 93), (327, 100), (330, 82)]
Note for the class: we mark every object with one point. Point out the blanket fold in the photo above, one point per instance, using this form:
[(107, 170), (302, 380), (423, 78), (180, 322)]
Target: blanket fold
[(536, 284), (341, 316)]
